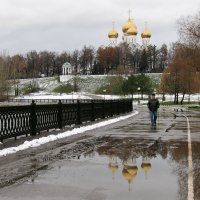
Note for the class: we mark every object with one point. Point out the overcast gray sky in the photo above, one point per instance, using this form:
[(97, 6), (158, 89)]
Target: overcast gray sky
[(65, 25)]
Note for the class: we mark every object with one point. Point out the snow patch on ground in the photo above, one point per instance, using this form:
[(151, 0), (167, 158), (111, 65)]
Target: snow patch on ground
[(50, 138), (73, 95)]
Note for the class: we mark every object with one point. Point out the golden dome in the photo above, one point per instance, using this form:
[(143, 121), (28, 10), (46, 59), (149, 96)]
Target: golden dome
[(146, 167), (132, 31), (113, 33), (129, 24), (146, 33)]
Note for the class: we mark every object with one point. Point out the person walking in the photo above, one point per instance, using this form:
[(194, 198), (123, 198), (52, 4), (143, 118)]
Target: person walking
[(153, 105)]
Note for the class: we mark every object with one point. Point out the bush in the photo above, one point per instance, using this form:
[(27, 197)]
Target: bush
[(29, 89), (114, 86), (67, 88), (139, 84)]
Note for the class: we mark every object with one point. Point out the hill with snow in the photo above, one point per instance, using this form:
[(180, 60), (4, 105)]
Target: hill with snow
[(85, 83)]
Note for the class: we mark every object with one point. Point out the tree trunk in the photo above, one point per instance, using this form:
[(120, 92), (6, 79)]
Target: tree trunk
[(183, 97), (177, 98), (174, 97)]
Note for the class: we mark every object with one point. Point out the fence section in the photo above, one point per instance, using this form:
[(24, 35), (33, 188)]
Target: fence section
[(47, 101), (32, 119), (14, 121)]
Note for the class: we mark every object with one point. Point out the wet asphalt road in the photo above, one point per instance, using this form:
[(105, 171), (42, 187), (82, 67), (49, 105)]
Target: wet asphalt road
[(126, 160)]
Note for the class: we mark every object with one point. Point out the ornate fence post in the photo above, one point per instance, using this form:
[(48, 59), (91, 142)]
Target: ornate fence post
[(103, 109), (111, 107), (60, 115), (124, 106), (130, 105), (93, 111), (33, 118), (119, 104), (78, 112)]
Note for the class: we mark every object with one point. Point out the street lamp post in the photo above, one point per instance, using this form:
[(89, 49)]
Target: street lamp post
[(29, 90), (104, 91), (138, 95)]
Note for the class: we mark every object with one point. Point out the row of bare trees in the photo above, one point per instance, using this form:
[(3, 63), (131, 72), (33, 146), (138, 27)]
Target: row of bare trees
[(36, 64), (183, 73), (104, 60), (131, 59), (4, 85)]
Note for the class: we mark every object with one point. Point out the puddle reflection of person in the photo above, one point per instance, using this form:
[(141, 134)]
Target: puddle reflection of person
[(153, 105)]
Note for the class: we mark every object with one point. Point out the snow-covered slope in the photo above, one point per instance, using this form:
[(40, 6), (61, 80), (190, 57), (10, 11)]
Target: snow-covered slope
[(85, 83), (45, 84)]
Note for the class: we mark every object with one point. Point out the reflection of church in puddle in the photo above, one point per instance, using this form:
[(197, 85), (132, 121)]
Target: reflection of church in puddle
[(129, 168), (128, 159)]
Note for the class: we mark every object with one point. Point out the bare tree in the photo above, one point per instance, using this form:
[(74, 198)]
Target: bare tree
[(47, 62), (86, 59), (189, 29), (4, 84), (181, 75), (33, 65), (75, 60)]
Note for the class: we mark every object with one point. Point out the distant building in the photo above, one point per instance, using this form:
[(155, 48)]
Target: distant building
[(67, 69)]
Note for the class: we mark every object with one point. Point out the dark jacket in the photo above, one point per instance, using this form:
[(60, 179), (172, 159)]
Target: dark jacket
[(153, 104)]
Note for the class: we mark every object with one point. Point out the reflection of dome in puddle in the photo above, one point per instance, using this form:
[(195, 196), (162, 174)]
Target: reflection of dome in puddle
[(113, 166), (146, 165), (132, 171), (129, 171)]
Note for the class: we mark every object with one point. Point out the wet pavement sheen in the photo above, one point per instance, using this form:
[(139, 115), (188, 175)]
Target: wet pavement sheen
[(134, 161)]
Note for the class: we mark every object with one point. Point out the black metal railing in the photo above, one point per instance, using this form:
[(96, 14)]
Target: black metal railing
[(47, 101), (32, 119)]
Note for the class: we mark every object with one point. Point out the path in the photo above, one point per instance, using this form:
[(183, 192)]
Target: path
[(125, 160)]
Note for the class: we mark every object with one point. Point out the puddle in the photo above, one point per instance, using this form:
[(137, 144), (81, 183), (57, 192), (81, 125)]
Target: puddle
[(121, 168), (101, 177), (110, 173)]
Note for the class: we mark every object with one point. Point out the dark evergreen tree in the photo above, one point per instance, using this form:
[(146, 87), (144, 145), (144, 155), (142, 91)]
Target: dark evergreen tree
[(143, 66)]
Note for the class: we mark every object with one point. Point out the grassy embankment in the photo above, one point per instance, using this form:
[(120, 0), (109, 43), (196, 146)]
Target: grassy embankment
[(170, 103), (191, 105)]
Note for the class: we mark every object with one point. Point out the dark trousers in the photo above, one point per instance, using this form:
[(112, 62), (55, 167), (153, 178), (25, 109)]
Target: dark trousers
[(153, 117)]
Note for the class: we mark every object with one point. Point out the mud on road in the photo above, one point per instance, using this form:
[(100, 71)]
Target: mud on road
[(23, 165)]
